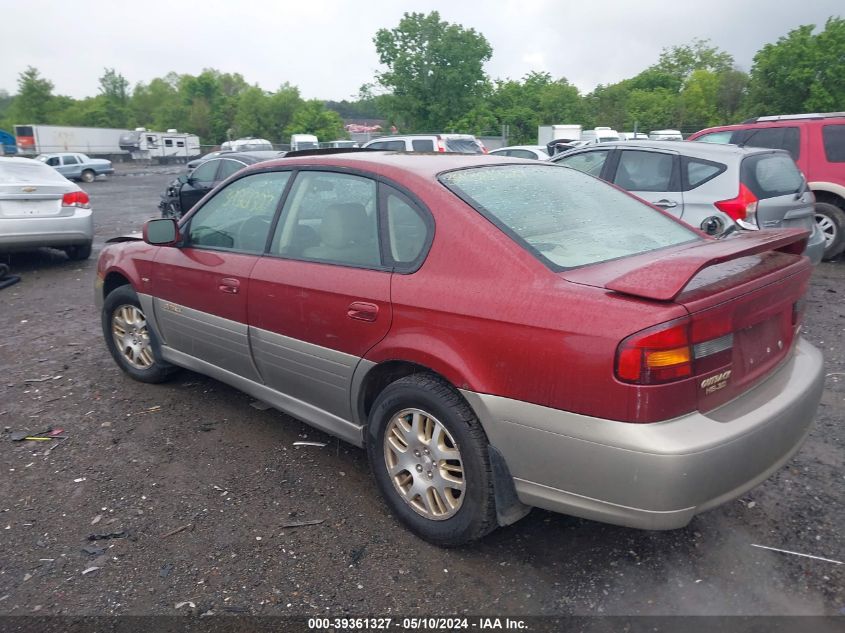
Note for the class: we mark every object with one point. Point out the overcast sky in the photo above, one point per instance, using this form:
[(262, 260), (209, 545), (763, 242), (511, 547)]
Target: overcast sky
[(325, 47)]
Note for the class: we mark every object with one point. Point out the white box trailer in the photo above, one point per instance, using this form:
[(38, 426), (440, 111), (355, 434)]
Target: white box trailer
[(45, 139), (548, 133), (163, 147)]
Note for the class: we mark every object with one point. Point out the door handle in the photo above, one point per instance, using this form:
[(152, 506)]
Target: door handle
[(665, 204), (362, 311), (229, 285)]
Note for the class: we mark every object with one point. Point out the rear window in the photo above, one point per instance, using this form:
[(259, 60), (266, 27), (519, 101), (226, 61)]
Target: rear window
[(28, 172), (771, 175), (787, 138), (463, 145), (562, 216), (833, 137)]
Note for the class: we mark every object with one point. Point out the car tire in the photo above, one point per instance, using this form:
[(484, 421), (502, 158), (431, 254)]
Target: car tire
[(131, 341), (831, 222), (79, 252), (87, 176), (429, 457)]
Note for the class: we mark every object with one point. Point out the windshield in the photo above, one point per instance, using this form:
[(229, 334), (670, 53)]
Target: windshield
[(564, 217)]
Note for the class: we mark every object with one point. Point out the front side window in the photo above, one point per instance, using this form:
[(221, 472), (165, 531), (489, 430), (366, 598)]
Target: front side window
[(330, 217), (645, 171), (390, 146), (564, 217), (239, 216), (588, 162), (53, 161), (833, 137)]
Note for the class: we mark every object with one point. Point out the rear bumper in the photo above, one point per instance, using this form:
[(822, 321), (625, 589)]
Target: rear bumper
[(655, 476), (27, 233)]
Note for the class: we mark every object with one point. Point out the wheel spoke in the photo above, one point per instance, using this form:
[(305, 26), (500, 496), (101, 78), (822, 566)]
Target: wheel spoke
[(424, 463)]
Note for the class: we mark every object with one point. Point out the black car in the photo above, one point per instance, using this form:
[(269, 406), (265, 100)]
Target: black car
[(187, 189)]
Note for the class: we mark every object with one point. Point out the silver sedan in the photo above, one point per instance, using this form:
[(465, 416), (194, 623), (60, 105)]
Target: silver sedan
[(40, 207)]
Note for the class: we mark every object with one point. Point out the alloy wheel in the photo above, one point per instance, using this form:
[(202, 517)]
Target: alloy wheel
[(129, 330)]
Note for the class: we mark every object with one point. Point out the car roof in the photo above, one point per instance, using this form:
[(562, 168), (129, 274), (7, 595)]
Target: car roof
[(702, 150), (541, 148), (425, 165), (248, 157), (58, 153), (21, 160)]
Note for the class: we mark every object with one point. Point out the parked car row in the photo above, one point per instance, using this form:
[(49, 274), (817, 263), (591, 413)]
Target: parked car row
[(497, 333)]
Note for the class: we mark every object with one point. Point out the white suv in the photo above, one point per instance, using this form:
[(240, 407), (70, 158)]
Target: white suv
[(459, 143)]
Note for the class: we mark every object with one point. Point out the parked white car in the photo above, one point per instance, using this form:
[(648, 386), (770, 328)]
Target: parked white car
[(40, 207), (537, 152)]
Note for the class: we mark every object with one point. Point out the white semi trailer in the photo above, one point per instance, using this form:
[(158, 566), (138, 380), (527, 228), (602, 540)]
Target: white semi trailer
[(548, 133), (47, 139)]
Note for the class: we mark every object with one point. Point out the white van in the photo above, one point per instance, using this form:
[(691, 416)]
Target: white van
[(303, 141), (600, 135), (665, 135)]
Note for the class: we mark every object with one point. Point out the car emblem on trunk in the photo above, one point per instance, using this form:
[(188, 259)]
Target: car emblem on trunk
[(29, 189)]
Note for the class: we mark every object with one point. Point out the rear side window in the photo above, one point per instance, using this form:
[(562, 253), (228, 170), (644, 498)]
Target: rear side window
[(564, 217), (422, 145), (833, 137), (463, 146), (788, 138), (70, 160), (696, 172), (645, 171), (771, 175), (406, 229)]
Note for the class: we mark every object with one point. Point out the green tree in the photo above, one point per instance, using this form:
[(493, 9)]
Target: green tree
[(113, 99), (312, 117), (801, 72), (434, 70), (32, 103), (681, 61)]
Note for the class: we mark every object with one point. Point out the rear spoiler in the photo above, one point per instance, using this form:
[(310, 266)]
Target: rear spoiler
[(665, 277)]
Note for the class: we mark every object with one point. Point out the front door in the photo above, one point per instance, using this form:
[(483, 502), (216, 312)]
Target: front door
[(201, 289)]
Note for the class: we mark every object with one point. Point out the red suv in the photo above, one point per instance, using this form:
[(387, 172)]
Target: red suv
[(817, 143), (498, 333)]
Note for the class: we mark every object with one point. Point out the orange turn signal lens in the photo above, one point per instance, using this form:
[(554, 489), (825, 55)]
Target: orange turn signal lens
[(667, 357)]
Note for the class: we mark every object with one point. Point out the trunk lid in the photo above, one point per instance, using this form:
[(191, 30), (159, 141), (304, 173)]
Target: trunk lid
[(743, 296), (31, 200)]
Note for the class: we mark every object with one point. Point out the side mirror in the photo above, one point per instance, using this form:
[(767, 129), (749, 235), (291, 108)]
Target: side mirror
[(161, 232)]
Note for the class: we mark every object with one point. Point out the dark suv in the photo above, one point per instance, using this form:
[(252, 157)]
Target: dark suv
[(817, 143)]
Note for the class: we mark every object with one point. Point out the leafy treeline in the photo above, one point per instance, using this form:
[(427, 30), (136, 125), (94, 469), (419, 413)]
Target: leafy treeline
[(214, 105), (434, 80)]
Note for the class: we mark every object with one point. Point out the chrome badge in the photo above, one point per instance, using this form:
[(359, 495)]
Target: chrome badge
[(172, 307), (714, 383)]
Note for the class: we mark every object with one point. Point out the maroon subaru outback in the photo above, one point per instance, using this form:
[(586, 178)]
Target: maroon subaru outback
[(498, 333)]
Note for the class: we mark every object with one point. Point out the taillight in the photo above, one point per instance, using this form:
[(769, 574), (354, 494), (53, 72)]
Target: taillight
[(742, 209), (673, 351), (441, 145), (78, 199), (656, 355)]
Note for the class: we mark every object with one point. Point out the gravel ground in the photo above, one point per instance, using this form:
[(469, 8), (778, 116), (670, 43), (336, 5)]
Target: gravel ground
[(201, 494)]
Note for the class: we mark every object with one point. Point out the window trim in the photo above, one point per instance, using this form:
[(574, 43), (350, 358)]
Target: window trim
[(185, 223), (685, 160), (403, 268), (674, 177)]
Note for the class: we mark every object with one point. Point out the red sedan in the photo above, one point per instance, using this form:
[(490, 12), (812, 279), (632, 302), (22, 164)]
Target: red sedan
[(499, 334)]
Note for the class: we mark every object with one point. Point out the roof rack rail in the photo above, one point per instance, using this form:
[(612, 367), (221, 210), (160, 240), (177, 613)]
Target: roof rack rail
[(326, 151), (788, 117)]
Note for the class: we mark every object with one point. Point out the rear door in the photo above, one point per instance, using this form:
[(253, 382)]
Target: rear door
[(69, 167), (321, 298), (653, 175), (201, 289)]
